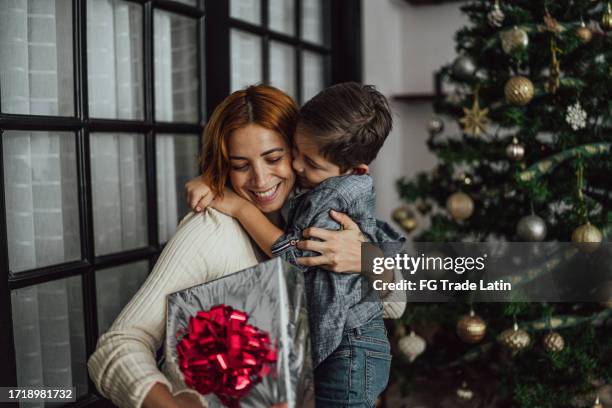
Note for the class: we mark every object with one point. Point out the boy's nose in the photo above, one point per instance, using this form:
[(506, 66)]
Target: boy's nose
[(297, 166)]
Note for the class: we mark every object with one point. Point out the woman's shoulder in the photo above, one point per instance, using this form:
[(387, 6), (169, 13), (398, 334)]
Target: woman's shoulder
[(210, 225)]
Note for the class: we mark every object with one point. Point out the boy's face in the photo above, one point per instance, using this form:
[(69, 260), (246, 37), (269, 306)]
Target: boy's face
[(310, 166)]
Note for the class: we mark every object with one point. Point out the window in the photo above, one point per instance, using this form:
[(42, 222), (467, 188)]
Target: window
[(102, 107), (279, 43)]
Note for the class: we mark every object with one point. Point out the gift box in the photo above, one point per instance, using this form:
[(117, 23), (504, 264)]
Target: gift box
[(243, 337)]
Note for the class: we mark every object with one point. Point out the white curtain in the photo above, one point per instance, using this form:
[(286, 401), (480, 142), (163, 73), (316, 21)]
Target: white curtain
[(35, 73), (114, 56), (176, 162), (49, 335), (118, 191), (313, 74), (245, 64), (41, 198), (282, 67), (114, 289), (176, 62)]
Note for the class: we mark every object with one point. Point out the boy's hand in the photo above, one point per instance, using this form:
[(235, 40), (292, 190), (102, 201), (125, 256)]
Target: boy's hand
[(199, 195), (230, 204)]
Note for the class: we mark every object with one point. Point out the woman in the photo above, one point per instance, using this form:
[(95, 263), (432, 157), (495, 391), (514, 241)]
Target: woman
[(247, 145)]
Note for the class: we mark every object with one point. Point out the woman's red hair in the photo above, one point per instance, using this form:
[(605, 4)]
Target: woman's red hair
[(262, 105)]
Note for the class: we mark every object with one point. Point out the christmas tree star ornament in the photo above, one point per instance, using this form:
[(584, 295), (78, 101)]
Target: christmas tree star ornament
[(519, 90), (514, 339), (515, 39), (531, 228), (411, 346), (471, 328), (460, 206), (515, 151), (553, 342), (475, 119), (496, 16), (575, 116)]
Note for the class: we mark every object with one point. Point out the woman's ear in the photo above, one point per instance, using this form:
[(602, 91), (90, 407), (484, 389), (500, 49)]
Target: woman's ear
[(360, 169)]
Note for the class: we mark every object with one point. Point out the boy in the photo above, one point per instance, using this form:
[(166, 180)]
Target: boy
[(339, 133)]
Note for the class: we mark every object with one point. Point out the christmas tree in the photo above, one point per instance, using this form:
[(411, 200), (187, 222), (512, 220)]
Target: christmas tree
[(532, 93)]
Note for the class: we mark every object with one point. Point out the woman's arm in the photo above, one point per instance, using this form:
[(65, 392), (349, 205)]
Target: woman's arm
[(123, 366)]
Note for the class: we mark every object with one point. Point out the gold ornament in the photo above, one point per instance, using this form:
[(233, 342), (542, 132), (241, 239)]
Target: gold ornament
[(475, 119), (584, 33), (519, 90), (405, 218), (460, 206), (464, 393), (597, 403), (471, 328), (514, 39), (411, 346), (553, 342), (587, 237), (514, 339), (515, 151), (606, 20)]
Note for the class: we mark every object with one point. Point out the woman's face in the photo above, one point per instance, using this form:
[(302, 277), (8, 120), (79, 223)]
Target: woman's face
[(260, 167)]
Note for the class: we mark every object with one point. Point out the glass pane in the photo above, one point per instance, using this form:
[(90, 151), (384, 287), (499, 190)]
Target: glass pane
[(176, 68), (114, 59), (282, 67), (114, 289), (313, 21), (189, 2), (36, 67), (247, 10), (119, 191), (281, 16), (49, 335), (42, 211), (246, 59), (313, 74), (176, 163)]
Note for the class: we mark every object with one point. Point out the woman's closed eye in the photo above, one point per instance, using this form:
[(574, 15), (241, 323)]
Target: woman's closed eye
[(274, 159), (240, 167)]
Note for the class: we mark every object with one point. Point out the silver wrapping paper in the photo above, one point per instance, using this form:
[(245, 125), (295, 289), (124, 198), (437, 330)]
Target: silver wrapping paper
[(272, 294)]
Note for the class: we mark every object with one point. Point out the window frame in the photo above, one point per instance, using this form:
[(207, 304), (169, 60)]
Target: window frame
[(213, 28)]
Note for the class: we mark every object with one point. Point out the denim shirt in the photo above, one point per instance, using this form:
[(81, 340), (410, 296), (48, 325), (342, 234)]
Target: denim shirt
[(335, 300)]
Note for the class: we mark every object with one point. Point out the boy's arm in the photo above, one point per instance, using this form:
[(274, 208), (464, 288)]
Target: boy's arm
[(259, 227), (256, 224)]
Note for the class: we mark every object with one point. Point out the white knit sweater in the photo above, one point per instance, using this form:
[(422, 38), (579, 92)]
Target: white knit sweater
[(205, 246)]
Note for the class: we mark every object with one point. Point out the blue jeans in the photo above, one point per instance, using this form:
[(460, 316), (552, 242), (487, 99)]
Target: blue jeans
[(356, 372)]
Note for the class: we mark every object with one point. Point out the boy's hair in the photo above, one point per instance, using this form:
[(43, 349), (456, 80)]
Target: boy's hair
[(350, 122)]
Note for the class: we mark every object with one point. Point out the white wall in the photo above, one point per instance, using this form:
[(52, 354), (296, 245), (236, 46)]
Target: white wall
[(403, 46)]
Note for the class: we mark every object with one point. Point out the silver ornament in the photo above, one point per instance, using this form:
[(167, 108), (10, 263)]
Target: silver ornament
[(496, 15), (515, 150), (464, 393), (514, 39), (435, 125), (531, 228), (464, 67), (411, 346)]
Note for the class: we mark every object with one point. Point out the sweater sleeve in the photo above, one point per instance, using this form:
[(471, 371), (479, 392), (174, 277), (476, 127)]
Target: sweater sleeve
[(205, 246), (394, 304)]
